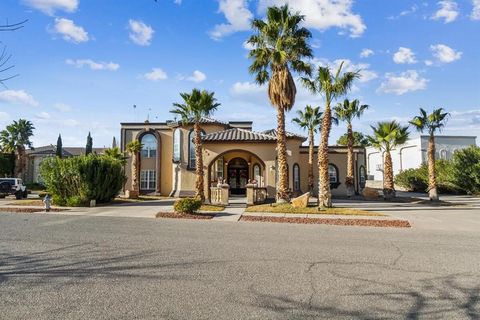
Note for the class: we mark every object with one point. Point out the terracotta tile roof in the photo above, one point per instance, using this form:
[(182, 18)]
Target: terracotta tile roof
[(237, 134), (203, 120), (273, 132), (67, 151)]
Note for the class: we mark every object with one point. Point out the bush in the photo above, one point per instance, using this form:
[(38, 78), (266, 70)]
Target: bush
[(187, 205), (34, 186), (466, 169), (7, 164), (77, 180), (415, 180)]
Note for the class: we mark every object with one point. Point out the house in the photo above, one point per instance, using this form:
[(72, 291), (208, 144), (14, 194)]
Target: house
[(413, 153), (233, 152), (37, 155)]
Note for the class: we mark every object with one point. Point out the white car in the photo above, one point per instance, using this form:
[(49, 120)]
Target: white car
[(12, 186)]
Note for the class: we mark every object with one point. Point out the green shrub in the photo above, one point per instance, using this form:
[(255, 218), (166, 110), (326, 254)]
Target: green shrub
[(35, 186), (77, 180), (187, 205), (466, 169), (413, 179), (7, 164)]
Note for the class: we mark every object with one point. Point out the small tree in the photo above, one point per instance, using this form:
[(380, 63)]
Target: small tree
[(309, 120), (115, 153), (14, 139), (59, 147), (386, 137), (359, 140), (89, 145), (347, 111), (432, 123), (133, 148)]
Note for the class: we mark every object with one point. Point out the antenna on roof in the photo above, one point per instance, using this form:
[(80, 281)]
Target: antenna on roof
[(134, 112), (148, 114)]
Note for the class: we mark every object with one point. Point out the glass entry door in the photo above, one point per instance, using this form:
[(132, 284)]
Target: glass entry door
[(238, 176)]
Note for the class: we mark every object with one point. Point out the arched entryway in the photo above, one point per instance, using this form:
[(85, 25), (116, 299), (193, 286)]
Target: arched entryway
[(237, 176)]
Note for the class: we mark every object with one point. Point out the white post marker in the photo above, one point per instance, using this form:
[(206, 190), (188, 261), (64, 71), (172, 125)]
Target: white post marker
[(47, 201)]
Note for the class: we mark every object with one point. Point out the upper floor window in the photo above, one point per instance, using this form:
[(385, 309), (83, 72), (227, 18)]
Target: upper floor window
[(149, 146), (177, 145), (296, 177), (191, 148), (333, 173)]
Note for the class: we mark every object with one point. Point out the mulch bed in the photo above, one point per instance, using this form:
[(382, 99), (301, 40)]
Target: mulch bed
[(197, 216), (28, 210), (332, 221)]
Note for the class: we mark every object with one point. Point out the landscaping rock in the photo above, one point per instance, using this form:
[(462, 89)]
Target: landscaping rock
[(302, 201), (370, 193)]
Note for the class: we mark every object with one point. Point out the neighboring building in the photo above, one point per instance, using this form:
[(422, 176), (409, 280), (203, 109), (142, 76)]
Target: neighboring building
[(414, 153), (232, 151), (36, 156)]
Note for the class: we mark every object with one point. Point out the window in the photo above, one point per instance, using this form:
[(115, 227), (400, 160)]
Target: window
[(177, 145), (191, 148), (219, 169), (443, 154), (257, 174), (362, 174), (333, 173), (296, 177), (148, 180), (149, 146)]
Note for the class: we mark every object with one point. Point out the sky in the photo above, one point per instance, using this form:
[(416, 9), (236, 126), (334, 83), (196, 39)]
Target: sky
[(83, 64)]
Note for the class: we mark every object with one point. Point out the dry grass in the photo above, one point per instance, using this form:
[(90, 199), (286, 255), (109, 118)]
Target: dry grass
[(211, 207), (287, 208), (27, 202)]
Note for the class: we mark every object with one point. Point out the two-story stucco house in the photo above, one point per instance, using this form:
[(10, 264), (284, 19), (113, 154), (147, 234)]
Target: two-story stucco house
[(232, 152)]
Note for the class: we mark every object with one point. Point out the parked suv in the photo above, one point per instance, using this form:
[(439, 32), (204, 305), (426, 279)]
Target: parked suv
[(12, 186)]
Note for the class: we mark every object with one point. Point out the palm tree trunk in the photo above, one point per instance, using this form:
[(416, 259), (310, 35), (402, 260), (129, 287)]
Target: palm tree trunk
[(432, 179), (310, 160), (349, 180), (20, 162), (135, 186), (199, 185), (282, 185), (324, 195), (388, 183)]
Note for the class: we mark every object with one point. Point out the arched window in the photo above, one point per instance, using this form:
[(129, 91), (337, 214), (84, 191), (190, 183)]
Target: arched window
[(177, 145), (257, 174), (296, 177), (191, 148), (443, 154), (333, 173), (149, 146), (362, 176)]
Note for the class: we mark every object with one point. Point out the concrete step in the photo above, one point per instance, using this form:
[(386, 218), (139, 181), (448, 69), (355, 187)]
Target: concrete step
[(237, 205)]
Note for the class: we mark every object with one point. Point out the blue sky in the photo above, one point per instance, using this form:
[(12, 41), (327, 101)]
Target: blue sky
[(83, 64)]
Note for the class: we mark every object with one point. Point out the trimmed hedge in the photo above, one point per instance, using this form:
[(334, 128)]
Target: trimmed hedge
[(77, 180), (187, 205)]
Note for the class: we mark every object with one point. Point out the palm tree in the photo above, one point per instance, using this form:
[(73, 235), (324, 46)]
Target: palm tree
[(431, 122), (115, 153), (309, 120), (387, 136), (280, 45), (133, 148), (331, 86), (14, 139), (196, 105), (347, 111)]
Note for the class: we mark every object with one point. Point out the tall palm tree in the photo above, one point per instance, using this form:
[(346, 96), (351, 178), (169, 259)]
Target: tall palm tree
[(387, 136), (115, 153), (347, 111), (309, 120), (133, 148), (196, 105), (331, 86), (279, 46), (14, 139), (432, 122)]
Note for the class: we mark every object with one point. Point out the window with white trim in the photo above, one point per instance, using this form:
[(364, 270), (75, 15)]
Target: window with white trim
[(148, 180), (257, 174), (191, 148), (333, 173), (219, 169), (177, 145)]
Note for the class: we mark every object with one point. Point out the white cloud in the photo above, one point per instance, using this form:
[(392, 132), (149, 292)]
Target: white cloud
[(428, 62), (4, 116), (50, 6), (366, 74), (197, 76), (445, 54), (248, 46), (80, 63), (18, 97), (155, 75), (179, 2), (448, 11), (404, 55), (247, 88), (324, 14), (476, 10), (43, 115), (140, 33), (70, 31), (62, 107), (238, 18), (404, 82), (366, 53)]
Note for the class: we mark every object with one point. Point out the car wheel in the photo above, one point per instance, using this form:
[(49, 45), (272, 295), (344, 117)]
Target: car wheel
[(25, 194), (18, 195), (2, 196)]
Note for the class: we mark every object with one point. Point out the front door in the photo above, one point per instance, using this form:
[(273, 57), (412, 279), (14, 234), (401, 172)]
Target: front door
[(237, 176)]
